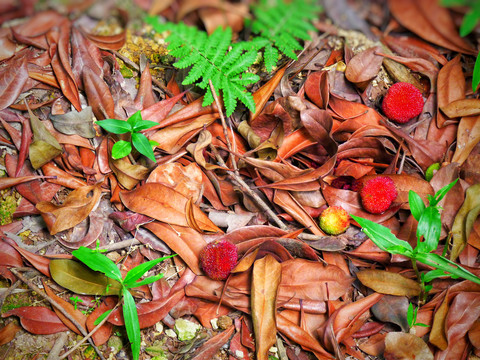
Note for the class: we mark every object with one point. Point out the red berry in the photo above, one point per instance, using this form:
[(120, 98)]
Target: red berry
[(218, 259), (402, 103), (377, 194), (334, 220)]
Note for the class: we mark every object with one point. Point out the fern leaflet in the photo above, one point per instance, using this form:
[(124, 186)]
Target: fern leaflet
[(279, 25)]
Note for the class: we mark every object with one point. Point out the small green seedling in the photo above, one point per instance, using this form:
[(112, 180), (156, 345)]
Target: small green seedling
[(99, 262), (428, 236), (133, 125), (412, 317), (75, 300)]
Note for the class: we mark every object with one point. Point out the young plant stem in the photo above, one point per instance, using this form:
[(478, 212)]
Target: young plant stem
[(423, 295)]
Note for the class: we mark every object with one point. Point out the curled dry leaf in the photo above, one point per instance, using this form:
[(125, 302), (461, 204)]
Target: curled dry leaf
[(196, 149), (37, 320), (468, 135), (389, 283), (77, 206), (431, 22), (266, 277), (128, 174)]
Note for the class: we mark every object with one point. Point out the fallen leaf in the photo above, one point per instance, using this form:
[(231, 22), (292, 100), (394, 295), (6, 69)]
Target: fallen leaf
[(12, 77), (164, 204), (265, 281), (389, 283), (73, 122), (37, 320), (402, 346), (44, 146), (392, 309), (464, 220), (364, 66), (80, 279), (76, 207), (69, 308), (8, 332)]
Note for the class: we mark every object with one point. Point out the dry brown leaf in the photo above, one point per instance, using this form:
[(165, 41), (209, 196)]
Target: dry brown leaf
[(266, 278), (402, 346), (389, 283), (165, 204), (77, 206)]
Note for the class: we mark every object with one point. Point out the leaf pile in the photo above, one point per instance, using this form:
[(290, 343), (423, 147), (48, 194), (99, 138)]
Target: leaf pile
[(312, 134)]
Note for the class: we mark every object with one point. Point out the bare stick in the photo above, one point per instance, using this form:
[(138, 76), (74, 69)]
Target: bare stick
[(246, 189), (35, 288), (224, 125), (89, 335)]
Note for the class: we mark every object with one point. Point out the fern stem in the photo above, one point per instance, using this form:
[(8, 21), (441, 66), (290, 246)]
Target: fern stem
[(224, 125)]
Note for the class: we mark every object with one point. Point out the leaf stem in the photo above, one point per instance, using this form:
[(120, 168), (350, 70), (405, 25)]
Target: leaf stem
[(423, 294)]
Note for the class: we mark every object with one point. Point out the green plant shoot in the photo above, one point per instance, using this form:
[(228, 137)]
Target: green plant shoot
[(412, 317), (133, 126), (99, 262), (428, 236)]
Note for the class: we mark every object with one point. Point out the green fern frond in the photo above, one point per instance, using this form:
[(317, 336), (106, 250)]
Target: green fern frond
[(280, 24), (212, 57)]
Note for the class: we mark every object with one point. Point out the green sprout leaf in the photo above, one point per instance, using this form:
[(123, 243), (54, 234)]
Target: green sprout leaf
[(131, 322), (476, 74), (141, 143), (137, 272), (115, 126), (121, 149), (98, 262), (417, 207), (429, 226), (444, 264), (383, 237), (101, 317)]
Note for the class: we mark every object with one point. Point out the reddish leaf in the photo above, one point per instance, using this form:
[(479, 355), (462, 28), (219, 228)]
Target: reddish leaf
[(98, 95), (364, 66), (41, 263), (9, 256), (38, 320), (12, 77), (431, 22), (69, 308), (450, 87), (211, 347)]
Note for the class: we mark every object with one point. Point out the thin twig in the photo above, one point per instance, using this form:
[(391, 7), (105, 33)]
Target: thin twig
[(246, 189), (137, 68), (57, 347), (35, 288), (89, 335), (224, 125), (121, 245)]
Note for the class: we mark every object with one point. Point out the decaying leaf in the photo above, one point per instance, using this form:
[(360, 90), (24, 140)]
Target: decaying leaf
[(73, 122), (38, 320), (403, 346)]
